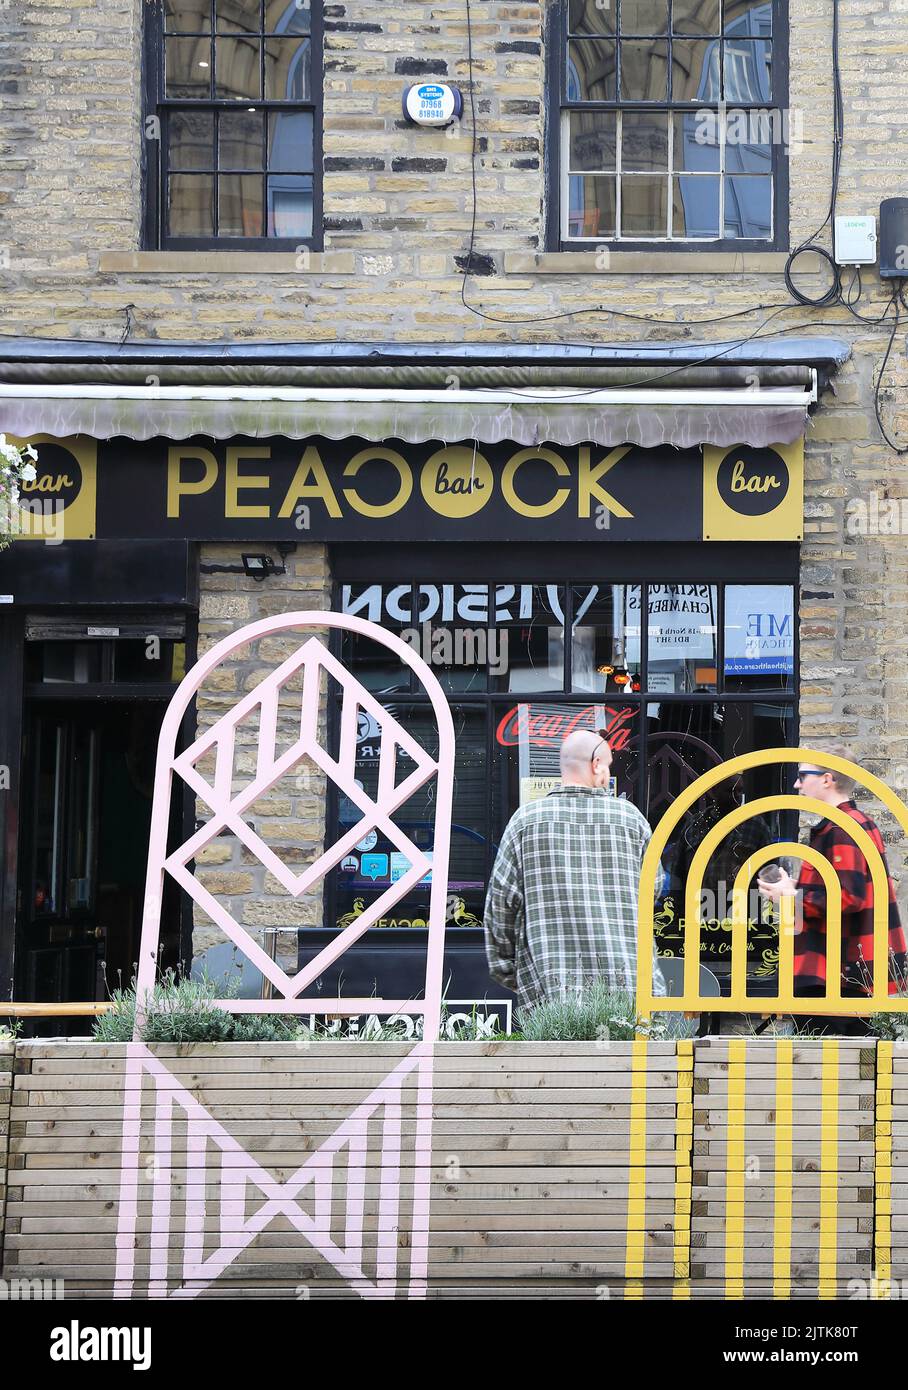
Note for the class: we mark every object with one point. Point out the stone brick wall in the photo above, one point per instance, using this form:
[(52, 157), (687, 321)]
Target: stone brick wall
[(290, 818), (397, 222)]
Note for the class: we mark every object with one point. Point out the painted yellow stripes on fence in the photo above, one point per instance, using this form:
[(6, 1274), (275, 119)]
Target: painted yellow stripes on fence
[(829, 1169), (635, 1248), (734, 1176), (783, 1189), (684, 1142), (882, 1226)]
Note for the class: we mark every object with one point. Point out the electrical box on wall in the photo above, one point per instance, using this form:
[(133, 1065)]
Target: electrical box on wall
[(894, 238), (855, 240)]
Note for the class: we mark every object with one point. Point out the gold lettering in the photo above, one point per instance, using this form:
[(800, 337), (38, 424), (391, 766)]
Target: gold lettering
[(401, 497), (509, 477), (236, 482), (739, 483), (177, 486), (311, 466), (588, 483)]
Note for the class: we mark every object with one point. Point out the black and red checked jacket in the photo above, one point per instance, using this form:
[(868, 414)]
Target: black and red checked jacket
[(857, 912)]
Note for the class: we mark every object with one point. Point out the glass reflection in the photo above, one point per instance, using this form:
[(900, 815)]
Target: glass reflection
[(605, 650), (187, 68), (588, 17), (644, 205), (644, 70), (240, 140), (748, 207), (238, 72), (644, 141), (288, 70), (190, 142), (240, 210), (591, 70), (592, 140), (187, 16), (695, 206), (591, 207), (190, 208)]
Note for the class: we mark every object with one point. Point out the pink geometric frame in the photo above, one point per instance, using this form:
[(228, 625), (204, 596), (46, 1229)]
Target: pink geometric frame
[(312, 658)]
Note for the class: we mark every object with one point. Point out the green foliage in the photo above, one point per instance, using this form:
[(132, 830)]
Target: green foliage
[(182, 1010), (594, 1014)]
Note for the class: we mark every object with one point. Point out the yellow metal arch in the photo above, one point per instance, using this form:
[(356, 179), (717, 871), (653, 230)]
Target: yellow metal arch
[(738, 1001)]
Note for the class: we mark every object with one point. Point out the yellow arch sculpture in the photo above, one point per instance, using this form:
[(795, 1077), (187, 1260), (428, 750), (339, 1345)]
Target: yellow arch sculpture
[(785, 1000)]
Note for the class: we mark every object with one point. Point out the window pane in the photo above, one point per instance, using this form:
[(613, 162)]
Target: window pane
[(287, 17), (682, 638), (749, 136), (592, 16), (187, 68), (190, 140), (290, 208), (240, 205), (239, 139), (591, 140), (748, 207), (644, 141), (644, 70), (533, 618), (605, 652), (696, 141), (591, 70), (685, 741), (644, 205), (375, 862), (290, 140), (695, 70), (752, 17), (187, 16), (759, 636), (695, 17), (237, 16), (238, 72), (240, 136), (748, 74), (287, 70), (391, 606), (191, 205), (695, 206), (644, 16), (591, 207), (529, 735)]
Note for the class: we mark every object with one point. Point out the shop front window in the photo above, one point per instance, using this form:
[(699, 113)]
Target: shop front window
[(708, 676)]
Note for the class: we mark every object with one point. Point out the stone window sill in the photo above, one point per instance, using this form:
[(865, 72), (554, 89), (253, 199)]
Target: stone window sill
[(645, 263), (229, 262)]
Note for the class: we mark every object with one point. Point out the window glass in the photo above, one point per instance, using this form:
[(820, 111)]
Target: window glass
[(759, 636), (375, 862), (682, 638), (190, 208), (592, 17), (606, 622), (684, 741), (187, 16), (644, 70), (258, 57), (592, 140), (592, 74), (390, 606)]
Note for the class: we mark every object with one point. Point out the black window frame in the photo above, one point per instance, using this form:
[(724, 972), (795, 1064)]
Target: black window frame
[(556, 104), (155, 152), (412, 565)]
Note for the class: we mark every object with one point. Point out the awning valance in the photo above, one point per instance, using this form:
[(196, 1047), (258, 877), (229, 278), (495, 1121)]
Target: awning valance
[(568, 414)]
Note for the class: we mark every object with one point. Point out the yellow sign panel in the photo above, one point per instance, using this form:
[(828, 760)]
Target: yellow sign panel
[(753, 494), (61, 503)]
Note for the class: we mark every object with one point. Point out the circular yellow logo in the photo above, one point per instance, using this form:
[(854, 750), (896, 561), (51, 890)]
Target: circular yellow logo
[(456, 482)]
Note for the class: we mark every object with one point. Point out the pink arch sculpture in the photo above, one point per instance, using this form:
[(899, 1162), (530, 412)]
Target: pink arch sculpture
[(190, 1244), (312, 658)]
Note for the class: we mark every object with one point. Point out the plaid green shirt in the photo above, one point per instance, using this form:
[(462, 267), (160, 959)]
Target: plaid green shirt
[(561, 909)]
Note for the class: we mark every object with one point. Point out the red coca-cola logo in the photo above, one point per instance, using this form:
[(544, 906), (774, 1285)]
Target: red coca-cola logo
[(549, 728)]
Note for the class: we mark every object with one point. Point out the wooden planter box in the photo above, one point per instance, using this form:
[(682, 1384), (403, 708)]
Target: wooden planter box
[(722, 1169), (553, 1167)]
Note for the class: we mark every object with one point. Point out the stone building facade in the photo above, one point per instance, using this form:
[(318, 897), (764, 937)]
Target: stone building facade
[(398, 208)]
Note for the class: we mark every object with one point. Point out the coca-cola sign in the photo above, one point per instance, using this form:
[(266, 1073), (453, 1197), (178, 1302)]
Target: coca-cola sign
[(549, 728)]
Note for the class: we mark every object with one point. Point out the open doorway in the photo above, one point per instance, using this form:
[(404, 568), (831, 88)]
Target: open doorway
[(87, 785)]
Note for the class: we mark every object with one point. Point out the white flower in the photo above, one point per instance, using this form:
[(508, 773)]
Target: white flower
[(32, 453), (28, 473)]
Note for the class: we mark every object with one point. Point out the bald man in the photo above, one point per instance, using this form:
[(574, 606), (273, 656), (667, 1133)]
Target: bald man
[(561, 909)]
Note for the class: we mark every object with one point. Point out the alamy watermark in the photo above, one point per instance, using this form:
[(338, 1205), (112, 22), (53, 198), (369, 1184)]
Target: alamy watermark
[(460, 646)]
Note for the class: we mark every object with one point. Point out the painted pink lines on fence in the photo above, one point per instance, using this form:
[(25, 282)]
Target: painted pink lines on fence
[(147, 1078), (215, 1162)]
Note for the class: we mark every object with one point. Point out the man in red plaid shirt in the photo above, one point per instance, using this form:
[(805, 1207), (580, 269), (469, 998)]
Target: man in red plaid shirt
[(857, 903)]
